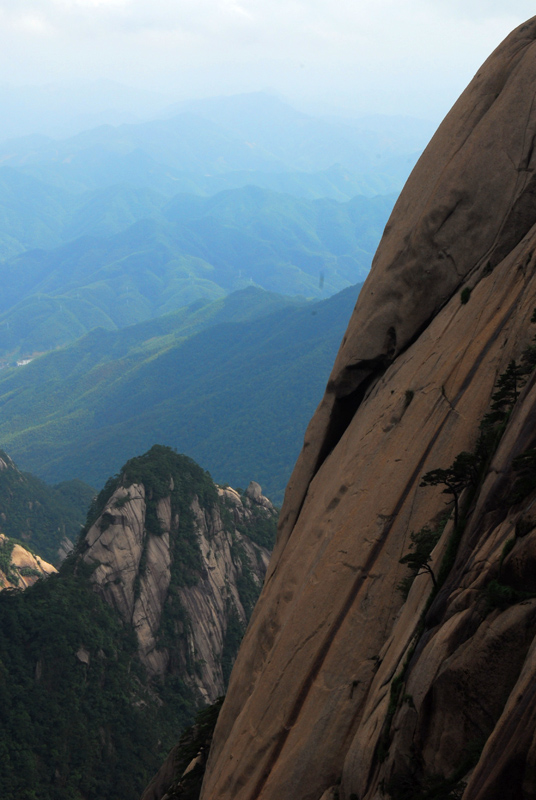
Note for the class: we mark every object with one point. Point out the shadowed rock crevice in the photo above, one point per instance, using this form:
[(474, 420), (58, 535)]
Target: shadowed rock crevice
[(345, 406), (517, 224), (345, 399)]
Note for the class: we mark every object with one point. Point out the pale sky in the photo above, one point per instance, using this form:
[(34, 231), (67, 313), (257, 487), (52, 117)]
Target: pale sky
[(371, 56)]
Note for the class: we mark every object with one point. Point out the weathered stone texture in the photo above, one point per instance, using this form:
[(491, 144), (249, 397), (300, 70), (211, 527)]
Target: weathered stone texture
[(307, 707), (134, 576)]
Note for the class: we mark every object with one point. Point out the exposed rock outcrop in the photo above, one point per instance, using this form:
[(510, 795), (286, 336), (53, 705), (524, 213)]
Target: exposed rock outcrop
[(19, 568), (178, 564), (340, 685)]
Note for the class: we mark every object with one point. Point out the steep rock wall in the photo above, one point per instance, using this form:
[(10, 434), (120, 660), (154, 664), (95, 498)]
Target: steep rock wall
[(341, 687), (134, 571)]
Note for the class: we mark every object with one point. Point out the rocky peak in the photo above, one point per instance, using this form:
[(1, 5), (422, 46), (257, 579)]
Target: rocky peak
[(343, 687), (183, 561), (254, 494), (468, 203)]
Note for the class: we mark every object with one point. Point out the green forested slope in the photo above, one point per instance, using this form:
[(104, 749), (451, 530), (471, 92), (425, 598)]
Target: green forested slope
[(38, 514), (34, 214), (192, 248), (236, 395), (70, 730)]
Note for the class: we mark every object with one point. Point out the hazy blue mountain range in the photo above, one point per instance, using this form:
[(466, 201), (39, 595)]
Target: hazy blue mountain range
[(132, 236), (64, 110), (309, 142), (175, 252), (232, 384), (34, 214), (122, 223), (193, 145)]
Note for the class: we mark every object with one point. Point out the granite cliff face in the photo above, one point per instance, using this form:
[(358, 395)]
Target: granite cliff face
[(342, 688), (171, 553)]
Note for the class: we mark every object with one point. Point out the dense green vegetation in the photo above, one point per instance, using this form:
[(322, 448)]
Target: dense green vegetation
[(68, 729), (235, 396), (41, 515), (6, 548), (261, 529)]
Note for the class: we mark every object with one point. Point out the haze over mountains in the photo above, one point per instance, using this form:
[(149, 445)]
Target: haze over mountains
[(161, 220), (61, 110), (166, 267), (251, 132), (118, 224), (191, 248)]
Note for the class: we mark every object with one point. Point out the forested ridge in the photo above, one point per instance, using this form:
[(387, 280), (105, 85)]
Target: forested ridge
[(236, 395), (82, 719)]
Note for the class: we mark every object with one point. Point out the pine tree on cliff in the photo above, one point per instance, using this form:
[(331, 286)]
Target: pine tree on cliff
[(463, 472), (422, 544), (508, 387)]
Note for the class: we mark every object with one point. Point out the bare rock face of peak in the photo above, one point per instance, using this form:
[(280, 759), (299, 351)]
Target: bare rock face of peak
[(20, 568), (467, 204), (6, 462), (343, 686), (182, 561)]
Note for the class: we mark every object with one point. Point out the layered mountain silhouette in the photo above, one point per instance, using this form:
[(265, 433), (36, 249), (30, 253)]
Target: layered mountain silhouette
[(122, 255), (232, 382), (252, 134), (122, 223)]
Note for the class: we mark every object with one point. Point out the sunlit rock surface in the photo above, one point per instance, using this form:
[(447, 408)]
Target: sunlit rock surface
[(20, 568), (133, 570), (342, 688)]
